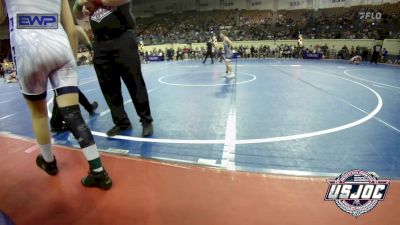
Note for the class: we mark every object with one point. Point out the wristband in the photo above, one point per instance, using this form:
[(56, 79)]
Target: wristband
[(78, 6), (97, 2)]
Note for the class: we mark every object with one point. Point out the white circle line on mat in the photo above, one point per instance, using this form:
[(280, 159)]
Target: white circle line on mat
[(260, 140)]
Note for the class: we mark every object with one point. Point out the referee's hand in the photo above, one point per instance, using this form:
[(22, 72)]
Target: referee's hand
[(89, 8)]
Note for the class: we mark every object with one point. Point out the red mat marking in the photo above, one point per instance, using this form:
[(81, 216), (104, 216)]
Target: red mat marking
[(154, 193)]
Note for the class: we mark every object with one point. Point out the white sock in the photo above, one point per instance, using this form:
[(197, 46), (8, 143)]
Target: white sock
[(46, 152), (91, 152), (92, 156)]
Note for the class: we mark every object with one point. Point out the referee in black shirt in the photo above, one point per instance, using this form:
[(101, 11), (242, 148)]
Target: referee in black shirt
[(209, 52), (116, 56)]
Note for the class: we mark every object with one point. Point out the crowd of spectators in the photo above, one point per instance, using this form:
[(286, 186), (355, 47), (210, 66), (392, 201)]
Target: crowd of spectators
[(275, 51), (336, 23), (246, 25), (7, 71)]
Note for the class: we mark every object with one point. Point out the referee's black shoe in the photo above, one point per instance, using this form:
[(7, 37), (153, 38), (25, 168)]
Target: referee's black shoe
[(118, 129), (94, 106), (147, 128)]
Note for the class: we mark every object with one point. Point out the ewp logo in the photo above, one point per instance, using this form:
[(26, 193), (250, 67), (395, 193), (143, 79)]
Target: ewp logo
[(37, 21)]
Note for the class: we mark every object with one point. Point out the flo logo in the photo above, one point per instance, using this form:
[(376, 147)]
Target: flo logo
[(356, 192), (370, 15)]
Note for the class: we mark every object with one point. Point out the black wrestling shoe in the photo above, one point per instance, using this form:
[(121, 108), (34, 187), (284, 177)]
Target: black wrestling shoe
[(97, 179), (118, 129), (147, 129), (95, 105), (49, 167)]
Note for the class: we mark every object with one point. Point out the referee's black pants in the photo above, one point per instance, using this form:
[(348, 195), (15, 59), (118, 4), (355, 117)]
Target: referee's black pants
[(209, 54), (375, 57), (56, 120), (118, 59)]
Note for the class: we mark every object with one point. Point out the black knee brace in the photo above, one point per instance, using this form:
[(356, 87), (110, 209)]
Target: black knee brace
[(73, 118)]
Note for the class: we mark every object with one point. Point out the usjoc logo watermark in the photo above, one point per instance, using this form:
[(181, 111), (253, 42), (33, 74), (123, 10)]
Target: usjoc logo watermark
[(356, 192), (37, 21)]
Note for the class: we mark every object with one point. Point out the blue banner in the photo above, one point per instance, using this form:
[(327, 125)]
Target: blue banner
[(236, 55), (155, 58), (312, 55)]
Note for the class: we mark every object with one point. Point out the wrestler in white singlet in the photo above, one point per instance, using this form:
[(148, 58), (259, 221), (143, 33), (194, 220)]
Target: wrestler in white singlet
[(48, 56)]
